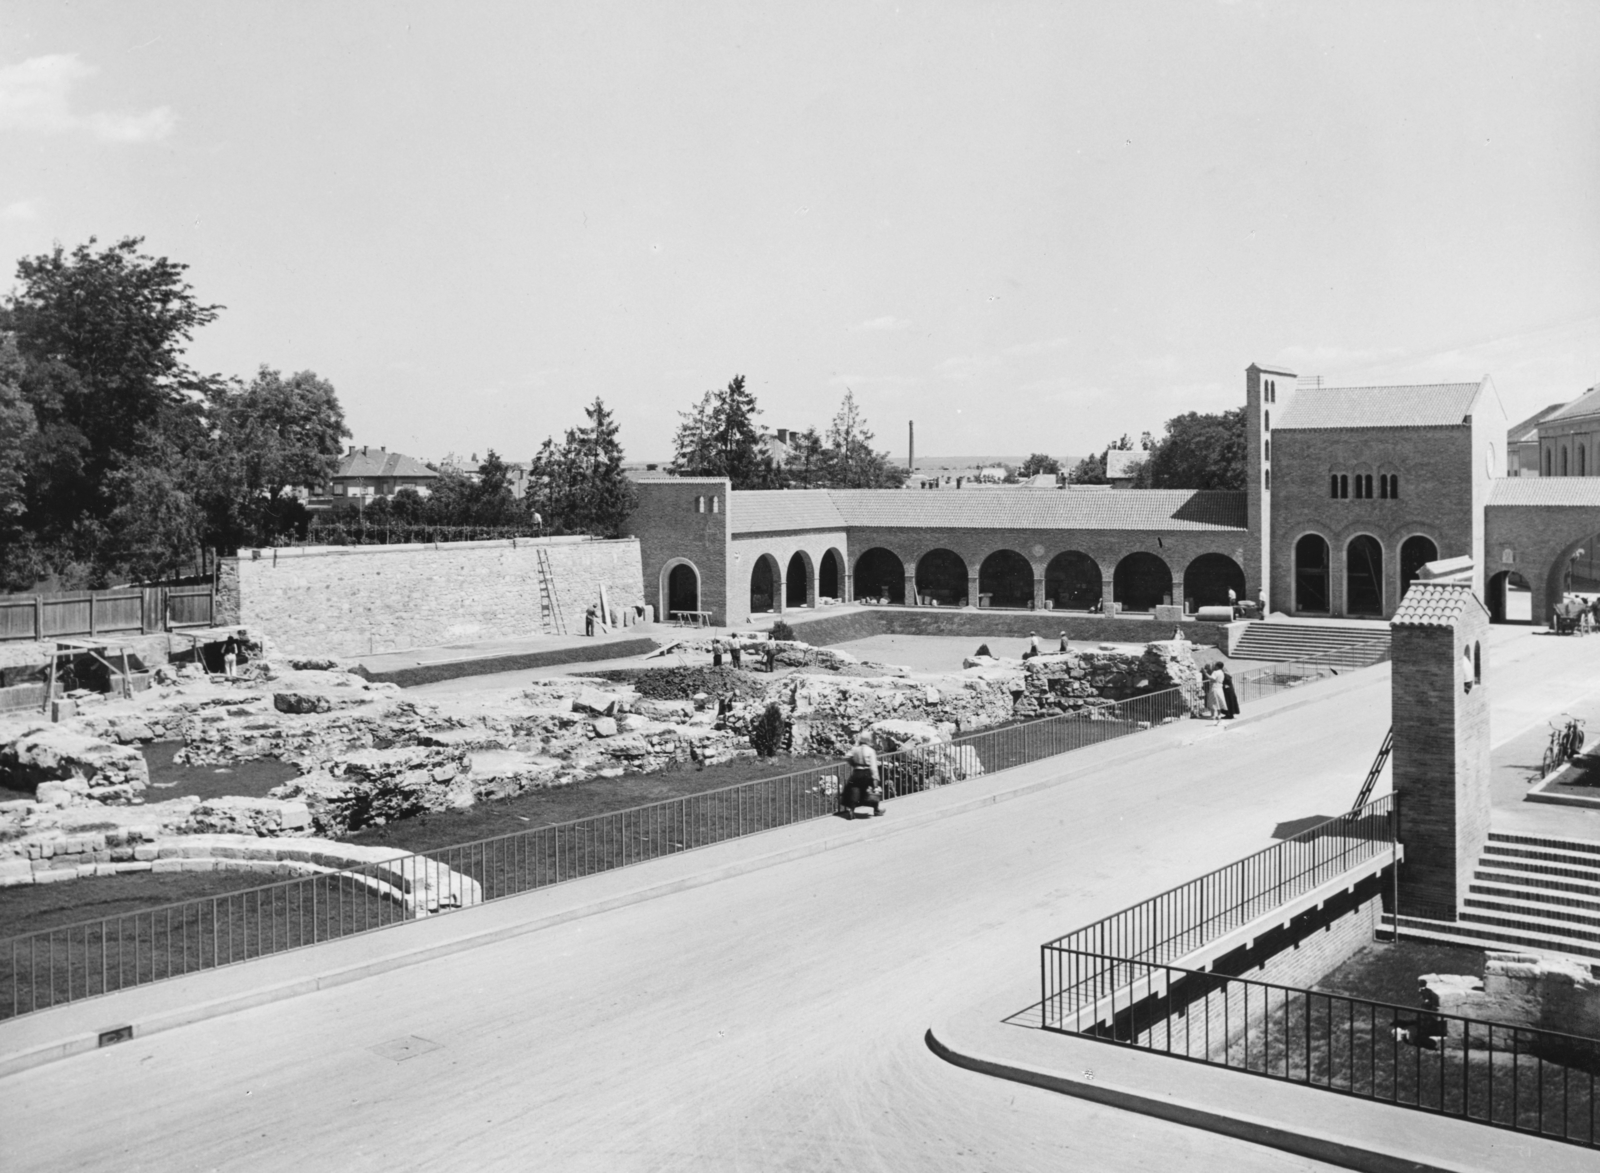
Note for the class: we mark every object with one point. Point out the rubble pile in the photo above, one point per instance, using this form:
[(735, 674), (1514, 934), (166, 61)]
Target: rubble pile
[(1069, 682), (368, 754)]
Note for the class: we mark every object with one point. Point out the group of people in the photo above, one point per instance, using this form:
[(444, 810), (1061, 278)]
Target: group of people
[(735, 651), (1220, 700)]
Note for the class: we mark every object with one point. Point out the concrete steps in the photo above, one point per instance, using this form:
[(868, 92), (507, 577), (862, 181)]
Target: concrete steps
[(1357, 644), (1531, 892)]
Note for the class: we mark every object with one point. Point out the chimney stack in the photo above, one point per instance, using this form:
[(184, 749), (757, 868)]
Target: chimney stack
[(911, 444)]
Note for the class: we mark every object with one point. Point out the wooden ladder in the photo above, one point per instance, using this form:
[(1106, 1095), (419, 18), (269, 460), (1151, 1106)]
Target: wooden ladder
[(549, 605), (1377, 768)]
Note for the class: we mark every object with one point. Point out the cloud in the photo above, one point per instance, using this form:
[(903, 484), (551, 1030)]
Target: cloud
[(888, 322), (35, 96), (20, 210)]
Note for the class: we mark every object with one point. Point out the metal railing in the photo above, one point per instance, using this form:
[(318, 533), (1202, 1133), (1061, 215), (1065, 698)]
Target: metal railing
[(1078, 970), (55, 966), (1254, 683), (1514, 1077)]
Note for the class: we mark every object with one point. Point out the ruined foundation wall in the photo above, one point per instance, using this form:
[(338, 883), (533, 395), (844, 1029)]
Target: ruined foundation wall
[(355, 600)]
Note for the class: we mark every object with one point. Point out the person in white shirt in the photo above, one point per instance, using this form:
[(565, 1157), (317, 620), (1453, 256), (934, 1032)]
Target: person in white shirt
[(862, 789)]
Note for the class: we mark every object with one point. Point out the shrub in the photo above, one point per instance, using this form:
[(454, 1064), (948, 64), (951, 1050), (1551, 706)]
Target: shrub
[(767, 734), (781, 630)]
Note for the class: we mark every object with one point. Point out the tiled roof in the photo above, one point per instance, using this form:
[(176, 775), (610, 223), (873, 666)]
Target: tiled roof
[(1586, 404), (1433, 604), (1528, 429), (1423, 405), (375, 462), (757, 511), (1121, 464), (1009, 508), (1572, 491)]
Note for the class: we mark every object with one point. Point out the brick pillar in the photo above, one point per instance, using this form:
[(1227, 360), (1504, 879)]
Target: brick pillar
[(911, 588), (1038, 589), (781, 594), (849, 587), (1107, 582), (1441, 743), (972, 589)]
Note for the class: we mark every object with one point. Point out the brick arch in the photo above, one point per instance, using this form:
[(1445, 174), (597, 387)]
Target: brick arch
[(832, 563), (1008, 576), (942, 574), (665, 594), (1141, 579), (765, 584), (800, 590)]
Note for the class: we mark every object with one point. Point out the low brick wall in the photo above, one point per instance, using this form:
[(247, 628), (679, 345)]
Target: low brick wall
[(357, 600), (828, 629)]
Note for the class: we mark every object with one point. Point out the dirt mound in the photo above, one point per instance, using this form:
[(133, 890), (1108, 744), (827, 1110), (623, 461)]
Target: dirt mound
[(681, 683)]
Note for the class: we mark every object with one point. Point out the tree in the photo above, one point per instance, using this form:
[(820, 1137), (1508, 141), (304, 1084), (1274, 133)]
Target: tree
[(1039, 463), (807, 462), (1199, 451), (18, 430), (718, 438), (853, 462), (578, 485), (1091, 470), (274, 436)]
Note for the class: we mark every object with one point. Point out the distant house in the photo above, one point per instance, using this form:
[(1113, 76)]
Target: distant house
[(1522, 443), (1122, 467), (365, 473)]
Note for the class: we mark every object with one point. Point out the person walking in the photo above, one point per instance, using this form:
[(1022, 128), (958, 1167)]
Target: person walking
[(771, 655), (736, 652), (1065, 646), (1229, 696), (1233, 602), (588, 620), (230, 657), (1216, 700), (716, 651), (862, 788)]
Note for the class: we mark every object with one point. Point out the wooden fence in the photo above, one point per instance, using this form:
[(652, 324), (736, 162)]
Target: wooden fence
[(133, 611)]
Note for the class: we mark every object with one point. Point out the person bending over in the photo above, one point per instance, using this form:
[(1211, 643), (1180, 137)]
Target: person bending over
[(862, 789)]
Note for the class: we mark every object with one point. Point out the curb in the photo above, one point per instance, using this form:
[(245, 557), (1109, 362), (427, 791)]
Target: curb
[(1308, 1143), (432, 673)]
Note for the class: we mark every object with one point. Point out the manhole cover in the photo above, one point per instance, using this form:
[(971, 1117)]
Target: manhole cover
[(404, 1048)]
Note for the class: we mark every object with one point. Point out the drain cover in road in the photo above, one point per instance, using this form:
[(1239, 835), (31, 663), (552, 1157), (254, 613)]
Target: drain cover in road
[(408, 1047)]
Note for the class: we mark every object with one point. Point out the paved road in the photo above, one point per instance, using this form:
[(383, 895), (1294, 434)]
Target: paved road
[(772, 1021)]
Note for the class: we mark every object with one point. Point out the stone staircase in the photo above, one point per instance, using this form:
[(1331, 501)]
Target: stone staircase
[(1532, 892), (1354, 645)]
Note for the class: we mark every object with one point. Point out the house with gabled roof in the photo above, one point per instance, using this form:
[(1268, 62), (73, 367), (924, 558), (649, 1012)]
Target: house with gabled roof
[(366, 473)]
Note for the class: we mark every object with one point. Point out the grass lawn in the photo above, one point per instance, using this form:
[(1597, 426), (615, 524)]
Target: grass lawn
[(27, 908)]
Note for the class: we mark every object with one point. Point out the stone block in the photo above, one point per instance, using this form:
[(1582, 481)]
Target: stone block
[(197, 865), (146, 852), (166, 865), (54, 876), (604, 727), (15, 869)]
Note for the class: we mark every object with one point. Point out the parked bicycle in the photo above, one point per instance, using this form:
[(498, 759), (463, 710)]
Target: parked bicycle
[(1566, 742)]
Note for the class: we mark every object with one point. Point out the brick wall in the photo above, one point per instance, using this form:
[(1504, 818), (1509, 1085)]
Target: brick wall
[(1539, 540), (1437, 472), (1107, 547), (828, 629), (1441, 760), (354, 600), (674, 522), (811, 547)]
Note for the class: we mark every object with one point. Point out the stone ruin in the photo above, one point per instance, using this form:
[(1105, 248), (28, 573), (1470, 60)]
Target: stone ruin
[(368, 754), (1522, 988)]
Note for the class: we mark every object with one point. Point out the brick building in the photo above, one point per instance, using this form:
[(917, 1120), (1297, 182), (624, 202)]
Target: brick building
[(1349, 492)]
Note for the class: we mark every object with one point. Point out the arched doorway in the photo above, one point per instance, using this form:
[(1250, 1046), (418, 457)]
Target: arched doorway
[(1007, 578), (764, 585), (1141, 582), (1363, 576), (942, 578), (1510, 598), (797, 581), (683, 589), (880, 577), (830, 576), (1072, 581), (1208, 579), (1311, 574), (1415, 553)]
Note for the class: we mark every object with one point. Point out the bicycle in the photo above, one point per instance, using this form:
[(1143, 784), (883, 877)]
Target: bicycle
[(1565, 744)]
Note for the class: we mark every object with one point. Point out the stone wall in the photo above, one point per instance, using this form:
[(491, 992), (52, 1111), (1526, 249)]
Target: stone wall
[(356, 600), (837, 627)]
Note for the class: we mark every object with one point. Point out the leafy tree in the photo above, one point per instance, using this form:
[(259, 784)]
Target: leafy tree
[(1199, 451), (1039, 463), (274, 436), (18, 430), (578, 485), (853, 462), (1091, 470)]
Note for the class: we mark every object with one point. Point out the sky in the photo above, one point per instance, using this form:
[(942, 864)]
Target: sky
[(1027, 227)]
